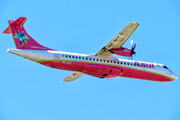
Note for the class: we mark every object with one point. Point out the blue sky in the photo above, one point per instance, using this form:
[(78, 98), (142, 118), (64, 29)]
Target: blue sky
[(29, 91)]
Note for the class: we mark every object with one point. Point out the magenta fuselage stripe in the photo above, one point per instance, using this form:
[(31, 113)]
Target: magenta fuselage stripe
[(126, 71)]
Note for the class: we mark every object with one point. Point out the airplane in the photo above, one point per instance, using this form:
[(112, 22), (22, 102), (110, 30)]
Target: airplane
[(103, 64)]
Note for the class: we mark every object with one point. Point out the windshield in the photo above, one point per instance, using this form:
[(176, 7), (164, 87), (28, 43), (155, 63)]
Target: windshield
[(167, 68)]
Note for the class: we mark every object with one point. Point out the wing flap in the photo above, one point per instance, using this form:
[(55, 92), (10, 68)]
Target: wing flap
[(72, 76)]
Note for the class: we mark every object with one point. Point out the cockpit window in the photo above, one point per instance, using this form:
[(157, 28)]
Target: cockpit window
[(165, 67)]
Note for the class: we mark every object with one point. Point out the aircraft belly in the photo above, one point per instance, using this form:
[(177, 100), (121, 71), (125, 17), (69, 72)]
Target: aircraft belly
[(102, 71)]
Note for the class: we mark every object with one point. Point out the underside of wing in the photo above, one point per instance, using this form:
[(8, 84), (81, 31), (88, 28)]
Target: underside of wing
[(118, 40), (72, 76)]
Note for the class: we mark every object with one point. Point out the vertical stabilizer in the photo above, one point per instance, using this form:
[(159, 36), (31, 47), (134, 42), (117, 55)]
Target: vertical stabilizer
[(21, 39)]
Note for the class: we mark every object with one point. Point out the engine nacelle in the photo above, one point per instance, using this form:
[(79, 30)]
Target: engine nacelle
[(122, 51)]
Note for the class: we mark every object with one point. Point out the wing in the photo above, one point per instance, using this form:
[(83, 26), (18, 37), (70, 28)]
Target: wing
[(72, 76), (118, 40)]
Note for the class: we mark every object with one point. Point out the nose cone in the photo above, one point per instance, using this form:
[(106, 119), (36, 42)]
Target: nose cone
[(175, 77)]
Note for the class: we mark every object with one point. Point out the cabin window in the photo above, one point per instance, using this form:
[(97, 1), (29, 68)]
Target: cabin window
[(104, 60), (127, 63), (117, 62), (76, 57), (131, 64), (69, 56), (108, 61), (114, 61), (93, 59), (100, 60), (111, 61), (124, 63), (121, 63), (62, 55), (72, 56), (83, 58), (79, 57), (89, 58), (97, 59), (86, 58)]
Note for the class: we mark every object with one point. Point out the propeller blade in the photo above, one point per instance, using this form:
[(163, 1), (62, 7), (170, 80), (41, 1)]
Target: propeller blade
[(133, 46)]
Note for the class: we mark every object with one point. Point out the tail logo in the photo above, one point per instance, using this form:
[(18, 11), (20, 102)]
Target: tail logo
[(23, 38)]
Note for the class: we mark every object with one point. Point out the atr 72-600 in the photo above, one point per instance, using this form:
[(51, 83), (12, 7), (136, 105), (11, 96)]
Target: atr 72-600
[(102, 64)]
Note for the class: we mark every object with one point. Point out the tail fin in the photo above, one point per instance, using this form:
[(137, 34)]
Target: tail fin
[(21, 39)]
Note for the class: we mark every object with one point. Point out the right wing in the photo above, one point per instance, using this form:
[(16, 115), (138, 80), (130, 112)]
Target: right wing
[(118, 40), (72, 76)]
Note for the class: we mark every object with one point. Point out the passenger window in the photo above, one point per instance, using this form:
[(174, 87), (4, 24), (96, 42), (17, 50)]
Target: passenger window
[(79, 57), (114, 61), (69, 56), (104, 60), (121, 63), (62, 55), (127, 63), (72, 56), (124, 63), (100, 60), (83, 58), (117, 62), (108, 61), (111, 61), (86, 58), (97, 59), (76, 57), (89, 58)]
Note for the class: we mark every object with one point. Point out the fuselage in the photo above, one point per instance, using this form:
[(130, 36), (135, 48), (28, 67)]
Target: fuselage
[(97, 66)]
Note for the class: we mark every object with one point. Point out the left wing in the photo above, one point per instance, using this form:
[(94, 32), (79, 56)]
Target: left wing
[(72, 76), (118, 40)]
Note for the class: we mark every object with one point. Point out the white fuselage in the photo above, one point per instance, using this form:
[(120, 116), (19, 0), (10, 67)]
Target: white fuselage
[(66, 59)]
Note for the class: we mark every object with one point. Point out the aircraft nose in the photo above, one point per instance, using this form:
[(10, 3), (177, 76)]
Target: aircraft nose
[(174, 77)]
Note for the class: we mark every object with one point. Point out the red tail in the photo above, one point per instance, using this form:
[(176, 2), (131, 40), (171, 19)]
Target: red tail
[(21, 39)]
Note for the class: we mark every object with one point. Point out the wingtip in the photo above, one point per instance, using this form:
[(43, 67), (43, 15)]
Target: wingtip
[(135, 23)]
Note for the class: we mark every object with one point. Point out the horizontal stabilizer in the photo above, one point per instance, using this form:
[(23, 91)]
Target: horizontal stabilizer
[(17, 23)]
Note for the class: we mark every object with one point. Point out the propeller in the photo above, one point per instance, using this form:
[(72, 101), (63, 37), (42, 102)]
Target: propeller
[(133, 46)]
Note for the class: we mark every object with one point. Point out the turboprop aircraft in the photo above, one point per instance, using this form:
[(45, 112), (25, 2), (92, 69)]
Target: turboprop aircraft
[(102, 64)]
